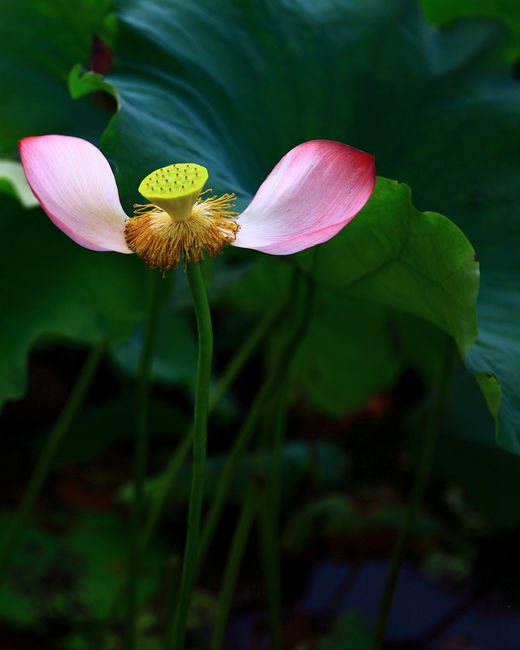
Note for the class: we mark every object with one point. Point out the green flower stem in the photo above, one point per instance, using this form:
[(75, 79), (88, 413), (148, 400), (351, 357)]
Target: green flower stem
[(179, 456), (268, 528), (233, 458), (48, 454), (141, 458), (171, 579), (417, 492), (191, 552), (269, 514), (238, 545), (262, 401), (244, 353), (231, 372), (233, 563), (274, 383), (176, 462), (272, 395)]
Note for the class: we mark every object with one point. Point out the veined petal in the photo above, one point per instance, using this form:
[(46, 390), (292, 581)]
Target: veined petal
[(75, 186), (311, 194)]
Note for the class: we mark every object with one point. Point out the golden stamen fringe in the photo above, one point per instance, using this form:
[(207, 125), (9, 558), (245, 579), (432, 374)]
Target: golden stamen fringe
[(162, 242)]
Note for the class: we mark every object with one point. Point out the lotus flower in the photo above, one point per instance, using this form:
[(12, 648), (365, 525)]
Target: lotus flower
[(312, 193)]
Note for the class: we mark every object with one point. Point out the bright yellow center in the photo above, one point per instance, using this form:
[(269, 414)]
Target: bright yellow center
[(175, 188), (178, 223)]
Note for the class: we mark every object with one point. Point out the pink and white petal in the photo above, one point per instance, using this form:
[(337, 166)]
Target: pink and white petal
[(76, 187), (311, 194)]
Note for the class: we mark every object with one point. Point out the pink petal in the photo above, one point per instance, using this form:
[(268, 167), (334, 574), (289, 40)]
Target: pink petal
[(75, 186), (311, 194)]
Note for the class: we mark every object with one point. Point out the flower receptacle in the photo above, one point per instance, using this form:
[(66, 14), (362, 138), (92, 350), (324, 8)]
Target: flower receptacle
[(175, 188)]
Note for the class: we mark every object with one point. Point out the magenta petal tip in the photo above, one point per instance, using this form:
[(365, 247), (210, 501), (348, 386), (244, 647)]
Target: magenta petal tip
[(315, 190)]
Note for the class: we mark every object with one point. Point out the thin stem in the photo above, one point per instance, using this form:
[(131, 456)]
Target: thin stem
[(264, 398), (178, 458), (180, 454), (219, 500), (171, 581), (175, 464), (191, 552), (239, 542), (268, 528), (233, 563), (244, 354), (141, 458), (273, 390), (232, 460), (417, 492), (268, 522), (48, 453)]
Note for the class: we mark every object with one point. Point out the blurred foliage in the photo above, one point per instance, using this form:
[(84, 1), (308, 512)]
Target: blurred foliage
[(55, 288), (334, 515), (111, 423), (72, 572), (325, 461), (40, 41), (12, 182), (351, 633), (492, 475), (441, 12), (175, 345)]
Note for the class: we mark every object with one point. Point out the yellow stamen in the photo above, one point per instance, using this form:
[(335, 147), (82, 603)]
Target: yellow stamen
[(162, 240)]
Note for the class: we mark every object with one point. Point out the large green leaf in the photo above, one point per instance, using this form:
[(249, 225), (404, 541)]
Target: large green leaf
[(235, 88), (391, 259), (53, 287), (352, 347), (348, 354), (419, 262), (40, 40)]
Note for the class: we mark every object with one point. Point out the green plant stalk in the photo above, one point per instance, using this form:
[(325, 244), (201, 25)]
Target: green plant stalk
[(233, 563), (233, 458), (240, 537), (238, 546), (178, 458), (244, 354), (263, 400), (171, 581), (176, 462), (420, 482), (268, 528), (48, 454), (264, 397), (175, 641), (268, 521), (142, 435)]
